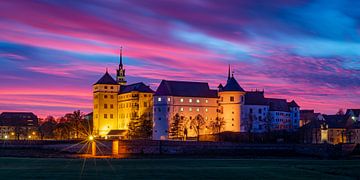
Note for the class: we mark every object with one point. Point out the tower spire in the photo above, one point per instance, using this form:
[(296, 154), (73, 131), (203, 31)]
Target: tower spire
[(120, 73), (121, 64), (229, 72)]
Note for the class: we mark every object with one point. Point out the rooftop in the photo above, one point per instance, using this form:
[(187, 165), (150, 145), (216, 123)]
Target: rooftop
[(140, 87), (106, 79), (185, 88)]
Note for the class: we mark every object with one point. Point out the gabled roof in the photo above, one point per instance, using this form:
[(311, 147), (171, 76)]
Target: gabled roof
[(293, 104), (185, 88), (18, 119), (232, 85), (106, 79), (255, 98), (337, 121), (355, 111), (277, 104), (140, 87)]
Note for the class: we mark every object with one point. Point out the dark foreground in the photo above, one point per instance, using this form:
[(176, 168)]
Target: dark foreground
[(41, 168)]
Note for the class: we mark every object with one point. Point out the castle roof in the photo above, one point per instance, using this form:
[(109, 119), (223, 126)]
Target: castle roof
[(255, 98), (293, 104), (18, 119), (277, 104), (337, 121), (232, 85), (140, 87), (106, 79), (185, 88)]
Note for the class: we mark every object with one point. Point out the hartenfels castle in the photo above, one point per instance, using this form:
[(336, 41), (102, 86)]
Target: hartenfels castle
[(117, 103)]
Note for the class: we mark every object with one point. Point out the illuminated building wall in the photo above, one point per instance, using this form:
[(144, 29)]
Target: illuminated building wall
[(188, 99), (116, 104)]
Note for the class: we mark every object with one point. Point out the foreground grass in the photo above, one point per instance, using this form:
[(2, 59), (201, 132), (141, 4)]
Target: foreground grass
[(41, 168)]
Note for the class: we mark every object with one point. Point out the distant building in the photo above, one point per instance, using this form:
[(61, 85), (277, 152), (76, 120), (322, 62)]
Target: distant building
[(306, 116), (116, 104), (333, 129), (262, 114), (187, 99), (354, 113), (18, 125)]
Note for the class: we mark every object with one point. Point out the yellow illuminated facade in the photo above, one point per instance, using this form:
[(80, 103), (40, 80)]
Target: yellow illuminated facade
[(116, 104)]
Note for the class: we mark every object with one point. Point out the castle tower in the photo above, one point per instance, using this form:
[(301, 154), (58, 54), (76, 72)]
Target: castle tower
[(231, 102), (120, 73), (105, 94)]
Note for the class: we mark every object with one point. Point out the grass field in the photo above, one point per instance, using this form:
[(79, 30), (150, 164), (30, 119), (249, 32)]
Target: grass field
[(41, 168)]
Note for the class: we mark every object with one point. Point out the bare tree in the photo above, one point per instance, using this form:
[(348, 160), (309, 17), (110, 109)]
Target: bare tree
[(197, 123), (216, 125)]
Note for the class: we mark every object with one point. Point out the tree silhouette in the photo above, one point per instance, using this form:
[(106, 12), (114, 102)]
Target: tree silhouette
[(216, 125), (197, 123)]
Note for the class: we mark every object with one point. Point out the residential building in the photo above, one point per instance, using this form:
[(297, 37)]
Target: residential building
[(18, 125)]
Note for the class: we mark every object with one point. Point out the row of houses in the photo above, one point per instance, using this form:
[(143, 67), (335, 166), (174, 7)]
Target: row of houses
[(334, 129)]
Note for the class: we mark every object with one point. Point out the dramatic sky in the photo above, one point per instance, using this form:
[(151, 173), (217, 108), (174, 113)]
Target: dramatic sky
[(51, 52)]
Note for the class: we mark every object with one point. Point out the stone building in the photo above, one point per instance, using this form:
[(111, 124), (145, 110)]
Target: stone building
[(116, 103), (187, 99)]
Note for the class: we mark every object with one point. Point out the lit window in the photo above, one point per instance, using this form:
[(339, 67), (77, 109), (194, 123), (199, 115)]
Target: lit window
[(197, 109), (181, 109), (181, 100), (206, 118), (198, 101), (190, 100), (206, 101), (159, 99), (169, 99), (206, 109), (190, 109)]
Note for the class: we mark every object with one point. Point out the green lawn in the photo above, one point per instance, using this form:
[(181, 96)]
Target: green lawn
[(41, 168)]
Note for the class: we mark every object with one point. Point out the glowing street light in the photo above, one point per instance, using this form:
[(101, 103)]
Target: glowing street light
[(6, 136), (91, 138), (29, 137)]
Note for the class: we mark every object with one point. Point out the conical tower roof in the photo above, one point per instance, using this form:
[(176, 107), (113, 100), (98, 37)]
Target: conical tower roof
[(106, 79)]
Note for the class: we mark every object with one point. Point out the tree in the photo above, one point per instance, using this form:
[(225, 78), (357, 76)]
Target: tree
[(63, 130), (176, 127), (197, 123), (216, 125), (340, 112), (140, 127), (76, 118), (46, 129)]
